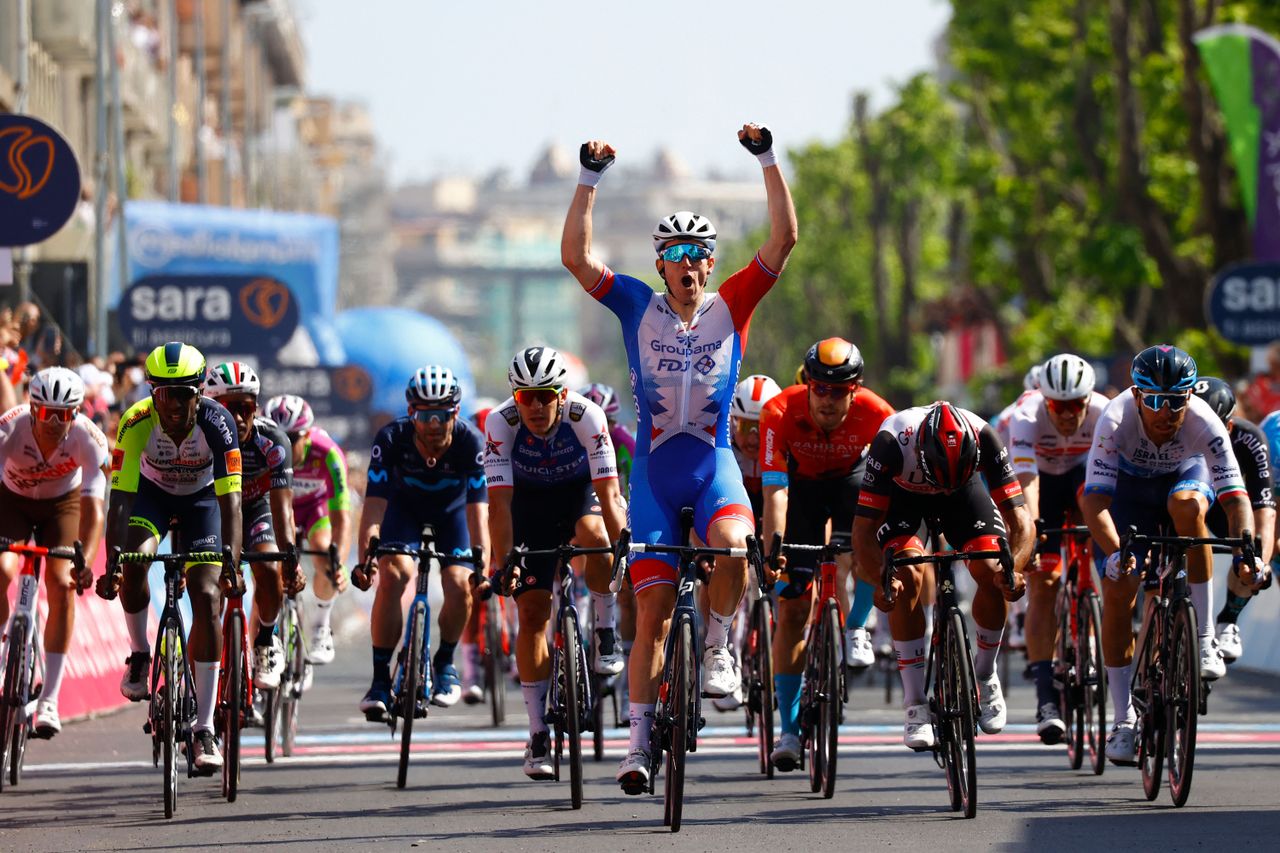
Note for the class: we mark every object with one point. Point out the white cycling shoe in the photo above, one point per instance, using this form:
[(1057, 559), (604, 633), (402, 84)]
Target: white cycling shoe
[(1120, 746), (1212, 666), (268, 663), (208, 757), (320, 651), (992, 713), (537, 758), (1229, 642), (729, 702), (133, 686), (861, 653), (633, 772), (719, 672), (46, 723), (917, 732), (786, 753)]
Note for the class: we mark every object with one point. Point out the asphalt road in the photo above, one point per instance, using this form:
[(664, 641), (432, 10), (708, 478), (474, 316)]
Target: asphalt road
[(93, 788)]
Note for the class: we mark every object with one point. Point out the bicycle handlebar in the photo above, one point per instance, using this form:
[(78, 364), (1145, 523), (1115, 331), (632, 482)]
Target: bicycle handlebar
[(75, 553), (1245, 542), (892, 562)]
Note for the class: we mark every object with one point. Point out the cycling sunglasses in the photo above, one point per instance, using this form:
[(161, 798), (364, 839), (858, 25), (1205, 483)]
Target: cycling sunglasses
[(747, 426), (426, 416), (50, 413), (1066, 407), (530, 396), (1175, 402), (677, 253), (175, 393), (243, 408), (822, 389)]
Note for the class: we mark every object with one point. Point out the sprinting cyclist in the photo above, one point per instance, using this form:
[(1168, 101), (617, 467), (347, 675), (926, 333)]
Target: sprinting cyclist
[(1050, 435), (944, 466), (552, 478), (321, 510), (1162, 456), (424, 468), (54, 463), (177, 458), (815, 436), (266, 490), (749, 400), (684, 346)]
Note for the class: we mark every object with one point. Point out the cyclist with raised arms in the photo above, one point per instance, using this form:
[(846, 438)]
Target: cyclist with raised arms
[(424, 468), (684, 346), (54, 462), (177, 458), (266, 490), (552, 478), (321, 510), (944, 466), (815, 438), (1162, 456), (1253, 455), (1050, 435)]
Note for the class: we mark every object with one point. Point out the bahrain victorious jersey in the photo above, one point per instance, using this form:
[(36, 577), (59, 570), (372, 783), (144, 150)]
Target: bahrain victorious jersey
[(682, 376)]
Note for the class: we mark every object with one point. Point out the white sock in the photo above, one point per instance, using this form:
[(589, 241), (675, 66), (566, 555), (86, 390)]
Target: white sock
[(535, 703), (1202, 598), (641, 725), (718, 629), (52, 675), (605, 607), (911, 661), (205, 674), (137, 624), (984, 662), (1118, 678), (323, 610)]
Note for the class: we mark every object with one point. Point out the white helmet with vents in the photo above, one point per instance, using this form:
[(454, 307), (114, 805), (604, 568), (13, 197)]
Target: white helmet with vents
[(57, 388), (1066, 377), (433, 385), (537, 367), (684, 225), (751, 395)]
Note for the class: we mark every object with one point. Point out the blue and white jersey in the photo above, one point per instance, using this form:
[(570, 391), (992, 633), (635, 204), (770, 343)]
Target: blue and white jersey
[(578, 449), (398, 472)]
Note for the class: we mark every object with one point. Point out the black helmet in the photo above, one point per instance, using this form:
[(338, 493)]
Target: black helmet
[(947, 447), (834, 361), (1163, 368), (1218, 394)]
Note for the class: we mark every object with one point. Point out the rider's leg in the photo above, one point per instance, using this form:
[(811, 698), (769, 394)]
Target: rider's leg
[(318, 539), (205, 641), (1042, 624), (1188, 507), (795, 603), (533, 658), (654, 605), (387, 618), (990, 612)]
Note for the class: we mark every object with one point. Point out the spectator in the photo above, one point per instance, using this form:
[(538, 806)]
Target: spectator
[(1263, 394), (27, 317)]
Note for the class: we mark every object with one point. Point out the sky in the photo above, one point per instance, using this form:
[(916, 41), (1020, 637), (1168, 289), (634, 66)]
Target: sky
[(469, 87)]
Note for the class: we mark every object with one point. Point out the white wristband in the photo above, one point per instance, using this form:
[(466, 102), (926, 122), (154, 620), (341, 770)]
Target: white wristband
[(588, 178), (768, 158)]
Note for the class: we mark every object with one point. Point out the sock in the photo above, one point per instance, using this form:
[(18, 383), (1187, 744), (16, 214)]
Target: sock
[(911, 660), (641, 725), (1042, 673), (718, 629), (788, 690), (323, 610), (382, 664), (1231, 608), (535, 703), (265, 631), (205, 675), (52, 675), (1202, 598), (605, 607), (444, 655), (860, 608), (470, 663), (137, 623), (1121, 700), (984, 662)]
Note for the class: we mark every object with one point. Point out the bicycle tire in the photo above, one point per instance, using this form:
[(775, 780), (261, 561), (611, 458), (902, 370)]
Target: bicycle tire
[(410, 683), (570, 713), (828, 729), (168, 717), (1147, 689), (1093, 680), (958, 713), (1182, 698), (810, 712), (1066, 669), (598, 683), (21, 723), (763, 618), (231, 717), (680, 711), (9, 715), (494, 676), (291, 701)]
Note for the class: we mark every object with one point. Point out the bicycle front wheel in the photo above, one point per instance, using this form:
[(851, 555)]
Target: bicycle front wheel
[(291, 683), (168, 715), (1148, 700), (1066, 672), (411, 682), (762, 652), (494, 672), (233, 685), (571, 694), (827, 728), (956, 708), (1092, 676), (1182, 698), (680, 710)]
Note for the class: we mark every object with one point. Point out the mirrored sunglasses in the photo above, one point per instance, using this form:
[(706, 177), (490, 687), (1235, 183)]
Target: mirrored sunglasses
[(540, 396), (1175, 402), (50, 413), (822, 389), (677, 253), (175, 393), (426, 416), (1066, 407)]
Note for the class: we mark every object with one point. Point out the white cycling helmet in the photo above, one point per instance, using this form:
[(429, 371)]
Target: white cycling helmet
[(1066, 377), (57, 388), (232, 377), (751, 395), (434, 385), (291, 412), (1031, 381), (684, 225), (537, 367)]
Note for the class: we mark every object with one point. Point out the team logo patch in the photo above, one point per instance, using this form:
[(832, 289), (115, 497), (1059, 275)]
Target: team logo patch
[(232, 458), (117, 459), (276, 457), (491, 446), (601, 438), (576, 411), (260, 528), (511, 415)]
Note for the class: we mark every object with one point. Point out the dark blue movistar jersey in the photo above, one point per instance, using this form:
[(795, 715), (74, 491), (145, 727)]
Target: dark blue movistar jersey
[(398, 472)]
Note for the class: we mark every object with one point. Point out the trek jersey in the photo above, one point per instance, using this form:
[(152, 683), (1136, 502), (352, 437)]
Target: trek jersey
[(892, 461), (322, 476), (577, 449), (28, 473), (208, 455), (683, 376), (1123, 447), (792, 445), (1037, 446), (268, 460), (398, 472)]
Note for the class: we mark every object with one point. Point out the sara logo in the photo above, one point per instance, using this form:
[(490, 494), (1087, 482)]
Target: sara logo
[(39, 180), (17, 143), (352, 383), (264, 302)]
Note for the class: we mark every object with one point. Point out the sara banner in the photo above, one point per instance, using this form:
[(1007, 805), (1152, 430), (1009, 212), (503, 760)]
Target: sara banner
[(216, 314), (1244, 66), (39, 181)]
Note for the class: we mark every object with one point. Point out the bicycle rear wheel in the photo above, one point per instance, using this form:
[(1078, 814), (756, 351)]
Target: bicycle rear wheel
[(827, 730), (1092, 676), (494, 672), (1066, 671), (571, 693), (14, 706), (233, 684), (1148, 697), (680, 711), (168, 715), (1182, 697), (411, 682), (956, 708), (762, 686)]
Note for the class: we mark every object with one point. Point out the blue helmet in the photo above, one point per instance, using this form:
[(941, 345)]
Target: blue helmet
[(1164, 368)]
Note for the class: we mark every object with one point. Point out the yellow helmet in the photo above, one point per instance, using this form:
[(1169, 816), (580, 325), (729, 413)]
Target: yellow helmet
[(175, 363)]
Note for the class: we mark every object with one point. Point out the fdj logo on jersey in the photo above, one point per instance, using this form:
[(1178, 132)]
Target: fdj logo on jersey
[(677, 356)]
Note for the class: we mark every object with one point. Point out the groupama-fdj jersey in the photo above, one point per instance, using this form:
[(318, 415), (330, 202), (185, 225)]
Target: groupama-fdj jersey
[(682, 377), (76, 461), (419, 492), (319, 482)]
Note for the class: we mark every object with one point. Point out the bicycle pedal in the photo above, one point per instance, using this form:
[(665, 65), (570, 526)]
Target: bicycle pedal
[(376, 716), (146, 727)]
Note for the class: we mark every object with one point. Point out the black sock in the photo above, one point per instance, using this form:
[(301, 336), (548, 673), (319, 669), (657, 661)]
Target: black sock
[(264, 634), (1231, 608), (444, 655), (1042, 672), (382, 664)]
